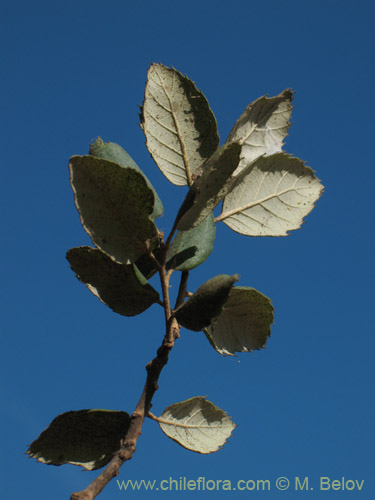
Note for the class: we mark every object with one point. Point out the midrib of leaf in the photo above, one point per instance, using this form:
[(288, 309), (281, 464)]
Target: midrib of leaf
[(186, 426), (179, 135), (257, 202), (263, 130), (254, 127)]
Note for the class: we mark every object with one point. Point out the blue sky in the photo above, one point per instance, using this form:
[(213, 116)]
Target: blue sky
[(304, 406)]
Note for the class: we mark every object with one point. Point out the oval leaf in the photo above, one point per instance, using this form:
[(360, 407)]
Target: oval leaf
[(271, 197), (190, 248), (206, 303), (113, 152), (244, 323), (210, 187), (115, 205), (86, 437), (180, 128), (262, 127), (120, 287), (196, 424)]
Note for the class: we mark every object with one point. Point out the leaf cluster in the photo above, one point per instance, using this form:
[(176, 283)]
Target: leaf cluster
[(262, 191)]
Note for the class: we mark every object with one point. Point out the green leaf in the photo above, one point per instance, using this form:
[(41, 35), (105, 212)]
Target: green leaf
[(210, 187), (197, 425), (190, 248), (115, 205), (180, 128), (147, 265), (271, 196), (120, 287), (113, 152), (206, 303), (244, 323), (86, 437), (262, 127)]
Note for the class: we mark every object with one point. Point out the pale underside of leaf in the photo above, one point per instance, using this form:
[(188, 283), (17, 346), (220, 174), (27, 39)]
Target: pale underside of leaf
[(115, 205), (271, 197), (118, 286), (262, 127), (180, 128), (244, 324), (85, 437), (197, 424)]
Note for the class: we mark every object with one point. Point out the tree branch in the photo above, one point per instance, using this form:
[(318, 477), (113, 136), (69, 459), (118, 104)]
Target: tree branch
[(154, 368), (164, 280)]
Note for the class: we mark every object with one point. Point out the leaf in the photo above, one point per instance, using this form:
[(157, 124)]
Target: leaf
[(244, 323), (113, 152), (210, 187), (120, 287), (115, 205), (262, 127), (271, 197), (180, 128), (147, 265), (196, 424), (85, 437), (190, 248), (206, 303)]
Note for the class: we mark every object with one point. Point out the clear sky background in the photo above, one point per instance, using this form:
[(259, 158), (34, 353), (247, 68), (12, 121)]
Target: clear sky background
[(72, 71)]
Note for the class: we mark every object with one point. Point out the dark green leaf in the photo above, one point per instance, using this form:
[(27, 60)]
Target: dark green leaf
[(147, 265), (190, 248), (210, 187), (180, 128), (244, 323), (206, 303), (113, 152), (85, 437), (115, 205), (120, 287)]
